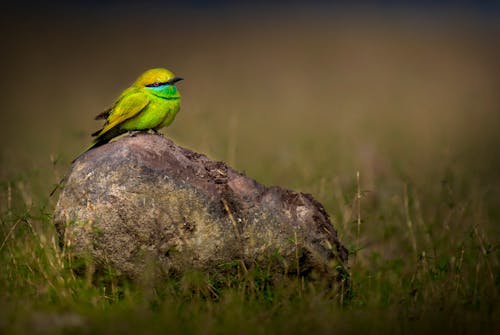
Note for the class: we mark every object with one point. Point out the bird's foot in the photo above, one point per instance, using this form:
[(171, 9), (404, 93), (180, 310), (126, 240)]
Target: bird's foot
[(133, 133), (156, 132)]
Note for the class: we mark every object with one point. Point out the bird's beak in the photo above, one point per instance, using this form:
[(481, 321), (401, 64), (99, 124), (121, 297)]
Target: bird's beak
[(176, 79)]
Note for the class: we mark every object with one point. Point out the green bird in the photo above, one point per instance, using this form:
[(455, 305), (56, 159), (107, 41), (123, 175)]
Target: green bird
[(150, 103)]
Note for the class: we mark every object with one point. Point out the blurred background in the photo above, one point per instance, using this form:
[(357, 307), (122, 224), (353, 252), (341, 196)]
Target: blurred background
[(387, 113), (295, 94)]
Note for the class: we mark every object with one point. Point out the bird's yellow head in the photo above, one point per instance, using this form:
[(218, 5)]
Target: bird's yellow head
[(159, 81), (156, 76)]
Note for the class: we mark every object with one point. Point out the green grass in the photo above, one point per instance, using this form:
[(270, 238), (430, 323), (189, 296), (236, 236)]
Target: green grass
[(414, 267), (384, 99)]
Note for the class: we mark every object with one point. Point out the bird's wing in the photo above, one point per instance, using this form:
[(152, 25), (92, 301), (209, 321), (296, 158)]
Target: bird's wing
[(104, 115), (126, 108)]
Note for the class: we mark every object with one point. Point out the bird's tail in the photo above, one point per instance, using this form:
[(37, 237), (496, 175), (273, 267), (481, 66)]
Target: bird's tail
[(97, 143)]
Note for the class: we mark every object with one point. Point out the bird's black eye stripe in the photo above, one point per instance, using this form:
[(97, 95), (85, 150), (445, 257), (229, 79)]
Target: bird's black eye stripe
[(170, 82), (156, 84)]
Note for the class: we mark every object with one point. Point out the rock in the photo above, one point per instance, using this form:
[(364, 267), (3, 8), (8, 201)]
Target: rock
[(145, 198)]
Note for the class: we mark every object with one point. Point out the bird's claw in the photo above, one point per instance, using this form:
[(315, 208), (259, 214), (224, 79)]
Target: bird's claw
[(156, 132), (133, 133)]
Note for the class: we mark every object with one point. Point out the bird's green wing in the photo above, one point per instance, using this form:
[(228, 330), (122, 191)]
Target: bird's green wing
[(105, 114), (126, 108)]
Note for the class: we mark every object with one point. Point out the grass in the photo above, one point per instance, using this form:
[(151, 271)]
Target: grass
[(375, 120), (415, 267), (416, 270)]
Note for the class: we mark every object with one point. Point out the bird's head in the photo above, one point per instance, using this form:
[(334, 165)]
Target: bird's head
[(160, 82)]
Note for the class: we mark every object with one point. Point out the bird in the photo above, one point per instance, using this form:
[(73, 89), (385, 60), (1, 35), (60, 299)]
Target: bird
[(151, 103)]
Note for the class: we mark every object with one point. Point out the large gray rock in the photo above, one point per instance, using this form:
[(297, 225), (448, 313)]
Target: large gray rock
[(141, 199)]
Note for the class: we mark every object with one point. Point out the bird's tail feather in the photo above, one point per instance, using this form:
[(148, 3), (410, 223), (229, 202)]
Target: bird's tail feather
[(95, 133), (97, 143)]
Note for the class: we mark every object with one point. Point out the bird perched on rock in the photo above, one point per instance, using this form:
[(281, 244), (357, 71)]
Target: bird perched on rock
[(150, 103)]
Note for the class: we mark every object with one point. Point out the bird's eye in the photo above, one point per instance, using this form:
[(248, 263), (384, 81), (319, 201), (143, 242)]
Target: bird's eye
[(155, 84)]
